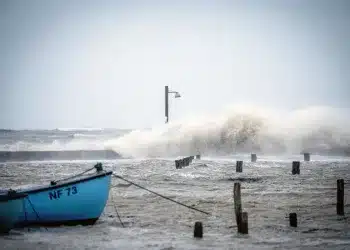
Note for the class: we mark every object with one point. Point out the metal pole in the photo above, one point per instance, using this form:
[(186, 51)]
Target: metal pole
[(166, 104)]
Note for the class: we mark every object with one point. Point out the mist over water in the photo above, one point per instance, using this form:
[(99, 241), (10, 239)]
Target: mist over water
[(243, 129)]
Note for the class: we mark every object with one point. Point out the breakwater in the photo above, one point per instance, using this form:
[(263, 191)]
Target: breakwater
[(10, 156)]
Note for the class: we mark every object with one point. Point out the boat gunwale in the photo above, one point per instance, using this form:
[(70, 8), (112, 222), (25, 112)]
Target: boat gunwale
[(6, 197), (67, 183)]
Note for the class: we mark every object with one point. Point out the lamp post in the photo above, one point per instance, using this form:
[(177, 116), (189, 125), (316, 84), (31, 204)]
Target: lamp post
[(167, 92)]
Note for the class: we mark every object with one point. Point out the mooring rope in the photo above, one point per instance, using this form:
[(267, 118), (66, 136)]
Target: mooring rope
[(116, 211), (167, 198), (36, 213), (31, 204), (74, 176)]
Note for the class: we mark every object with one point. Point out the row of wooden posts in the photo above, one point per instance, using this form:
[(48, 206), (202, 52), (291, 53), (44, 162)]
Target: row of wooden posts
[(239, 165), (242, 217), (295, 164), (295, 167), (184, 162)]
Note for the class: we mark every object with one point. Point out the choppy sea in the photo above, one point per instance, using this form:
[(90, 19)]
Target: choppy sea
[(269, 193)]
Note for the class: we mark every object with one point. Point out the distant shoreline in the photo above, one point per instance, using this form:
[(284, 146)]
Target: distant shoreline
[(66, 129)]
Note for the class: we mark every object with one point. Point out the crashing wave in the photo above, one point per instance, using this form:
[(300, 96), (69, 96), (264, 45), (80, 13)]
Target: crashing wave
[(319, 130)]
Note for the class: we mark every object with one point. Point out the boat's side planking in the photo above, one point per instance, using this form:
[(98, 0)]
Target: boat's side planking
[(76, 202)]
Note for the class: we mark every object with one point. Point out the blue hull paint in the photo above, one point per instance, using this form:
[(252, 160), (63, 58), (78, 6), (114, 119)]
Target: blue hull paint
[(80, 200), (10, 210)]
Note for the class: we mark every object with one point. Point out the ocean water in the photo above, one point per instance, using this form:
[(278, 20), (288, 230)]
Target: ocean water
[(269, 191)]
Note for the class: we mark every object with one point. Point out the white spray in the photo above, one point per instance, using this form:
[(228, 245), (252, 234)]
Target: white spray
[(242, 129)]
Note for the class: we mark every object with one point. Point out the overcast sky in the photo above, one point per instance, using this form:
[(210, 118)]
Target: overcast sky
[(105, 63)]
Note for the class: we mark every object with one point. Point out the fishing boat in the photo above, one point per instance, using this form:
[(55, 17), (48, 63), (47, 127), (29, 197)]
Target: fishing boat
[(77, 200), (11, 206)]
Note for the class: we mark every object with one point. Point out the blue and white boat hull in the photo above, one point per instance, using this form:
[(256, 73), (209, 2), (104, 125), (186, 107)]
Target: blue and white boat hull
[(79, 201), (11, 206)]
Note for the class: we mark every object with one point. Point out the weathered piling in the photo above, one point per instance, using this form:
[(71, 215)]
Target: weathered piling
[(237, 202), (198, 230), (178, 164), (198, 156), (253, 157), (306, 156), (243, 228), (186, 161), (293, 221), (296, 167), (340, 197), (239, 166)]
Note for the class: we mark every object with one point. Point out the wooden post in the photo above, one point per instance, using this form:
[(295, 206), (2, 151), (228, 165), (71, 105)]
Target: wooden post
[(340, 197), (198, 230), (296, 167), (306, 156), (180, 164), (253, 157), (239, 166), (243, 229), (238, 203), (187, 161), (293, 221), (198, 157)]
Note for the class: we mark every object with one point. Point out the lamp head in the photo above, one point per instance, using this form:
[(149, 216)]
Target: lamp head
[(177, 95)]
